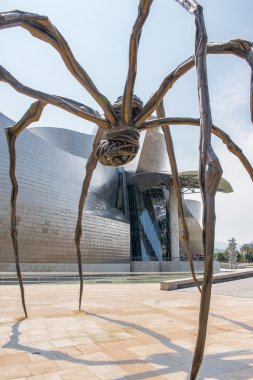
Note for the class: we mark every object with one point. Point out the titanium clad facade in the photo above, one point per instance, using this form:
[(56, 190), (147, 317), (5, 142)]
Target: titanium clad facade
[(78, 144), (50, 181), (153, 157), (127, 216), (194, 208), (192, 216)]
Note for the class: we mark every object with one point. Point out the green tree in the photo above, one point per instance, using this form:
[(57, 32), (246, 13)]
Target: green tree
[(222, 257), (249, 257), (240, 257), (247, 251)]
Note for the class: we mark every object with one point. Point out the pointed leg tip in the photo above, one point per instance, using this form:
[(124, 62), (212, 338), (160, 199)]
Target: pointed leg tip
[(78, 311), (20, 319), (25, 310)]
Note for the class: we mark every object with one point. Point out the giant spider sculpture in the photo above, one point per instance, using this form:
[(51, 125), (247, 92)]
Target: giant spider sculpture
[(121, 125)]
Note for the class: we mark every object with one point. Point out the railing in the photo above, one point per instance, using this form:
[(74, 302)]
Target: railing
[(155, 259), (90, 278)]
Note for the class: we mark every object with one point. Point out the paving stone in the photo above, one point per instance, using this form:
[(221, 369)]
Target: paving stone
[(126, 332)]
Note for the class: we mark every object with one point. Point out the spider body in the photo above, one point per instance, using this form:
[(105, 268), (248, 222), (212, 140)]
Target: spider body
[(122, 141), (121, 125), (120, 147)]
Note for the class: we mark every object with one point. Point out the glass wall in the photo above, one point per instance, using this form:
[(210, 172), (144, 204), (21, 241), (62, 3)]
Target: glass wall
[(149, 220)]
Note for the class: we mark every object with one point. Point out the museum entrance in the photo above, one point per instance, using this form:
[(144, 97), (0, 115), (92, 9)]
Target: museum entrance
[(149, 221)]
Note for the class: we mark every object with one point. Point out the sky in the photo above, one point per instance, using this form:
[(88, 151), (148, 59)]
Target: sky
[(98, 33)]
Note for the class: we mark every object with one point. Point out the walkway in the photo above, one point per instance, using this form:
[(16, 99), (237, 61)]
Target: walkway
[(128, 331)]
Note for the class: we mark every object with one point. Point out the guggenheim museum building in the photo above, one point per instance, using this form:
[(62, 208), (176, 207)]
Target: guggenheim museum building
[(130, 221)]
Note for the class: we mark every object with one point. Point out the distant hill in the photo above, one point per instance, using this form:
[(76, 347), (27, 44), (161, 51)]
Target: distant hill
[(220, 246)]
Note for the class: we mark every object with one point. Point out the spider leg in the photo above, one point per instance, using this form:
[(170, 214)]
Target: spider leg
[(33, 114), (143, 11), (90, 167), (223, 136), (42, 28), (176, 182), (69, 105), (241, 48), (210, 173)]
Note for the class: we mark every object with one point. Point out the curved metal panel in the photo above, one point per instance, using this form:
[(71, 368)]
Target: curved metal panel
[(153, 157), (5, 121), (190, 179), (195, 231), (76, 143), (194, 207), (50, 181)]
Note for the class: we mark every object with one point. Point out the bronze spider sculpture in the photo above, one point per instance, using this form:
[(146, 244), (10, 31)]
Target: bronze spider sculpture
[(121, 125)]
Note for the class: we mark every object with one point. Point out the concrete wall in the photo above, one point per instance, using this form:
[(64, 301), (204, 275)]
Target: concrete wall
[(169, 266), (145, 266), (71, 267), (183, 266)]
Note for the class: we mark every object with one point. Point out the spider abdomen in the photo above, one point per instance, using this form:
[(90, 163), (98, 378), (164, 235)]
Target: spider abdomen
[(120, 146)]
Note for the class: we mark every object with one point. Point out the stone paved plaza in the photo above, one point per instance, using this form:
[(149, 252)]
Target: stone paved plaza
[(128, 331)]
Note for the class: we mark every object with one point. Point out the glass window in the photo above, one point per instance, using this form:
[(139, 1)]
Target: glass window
[(149, 220)]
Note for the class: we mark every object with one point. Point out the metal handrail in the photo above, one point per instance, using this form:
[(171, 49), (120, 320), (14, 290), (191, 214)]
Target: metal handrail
[(48, 278)]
